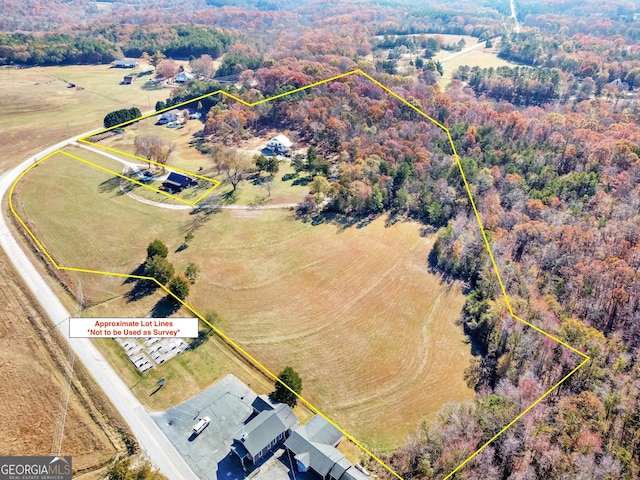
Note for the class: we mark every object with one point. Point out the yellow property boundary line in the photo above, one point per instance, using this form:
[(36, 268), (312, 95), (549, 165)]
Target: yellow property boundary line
[(237, 347)]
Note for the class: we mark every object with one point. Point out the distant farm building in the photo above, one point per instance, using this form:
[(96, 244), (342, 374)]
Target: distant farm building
[(279, 144), (183, 77), (263, 432), (128, 79), (125, 64), (170, 116), (178, 181)]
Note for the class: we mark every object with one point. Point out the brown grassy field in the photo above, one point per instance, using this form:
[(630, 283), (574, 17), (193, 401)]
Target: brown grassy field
[(354, 310), (34, 387), (38, 111), (38, 108)]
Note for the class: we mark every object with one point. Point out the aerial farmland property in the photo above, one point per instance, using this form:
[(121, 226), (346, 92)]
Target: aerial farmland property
[(404, 237)]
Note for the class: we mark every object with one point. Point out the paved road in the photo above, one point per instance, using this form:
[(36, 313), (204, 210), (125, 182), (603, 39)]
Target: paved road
[(159, 450)]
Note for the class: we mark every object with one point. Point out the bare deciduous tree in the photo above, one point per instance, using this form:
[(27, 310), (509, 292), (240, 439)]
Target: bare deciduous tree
[(203, 66)]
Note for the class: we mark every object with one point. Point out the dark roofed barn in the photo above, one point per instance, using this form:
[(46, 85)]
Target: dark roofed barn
[(179, 180)]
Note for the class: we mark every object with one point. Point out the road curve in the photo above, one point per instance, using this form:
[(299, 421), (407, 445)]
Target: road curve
[(155, 444)]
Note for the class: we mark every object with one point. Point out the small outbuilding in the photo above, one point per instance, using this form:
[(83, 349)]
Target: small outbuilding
[(128, 79), (177, 180)]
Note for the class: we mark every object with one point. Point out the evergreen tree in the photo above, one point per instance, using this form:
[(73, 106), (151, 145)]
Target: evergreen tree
[(282, 394)]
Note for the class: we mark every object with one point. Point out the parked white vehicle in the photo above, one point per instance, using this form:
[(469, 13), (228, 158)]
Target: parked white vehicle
[(201, 425)]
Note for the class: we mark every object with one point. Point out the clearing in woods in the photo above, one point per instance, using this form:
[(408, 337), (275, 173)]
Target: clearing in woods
[(354, 310)]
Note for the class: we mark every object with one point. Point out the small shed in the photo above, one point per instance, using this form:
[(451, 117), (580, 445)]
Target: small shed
[(128, 79), (178, 180), (125, 64)]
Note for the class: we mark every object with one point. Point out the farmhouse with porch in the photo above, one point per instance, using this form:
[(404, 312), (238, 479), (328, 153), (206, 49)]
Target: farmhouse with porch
[(279, 144)]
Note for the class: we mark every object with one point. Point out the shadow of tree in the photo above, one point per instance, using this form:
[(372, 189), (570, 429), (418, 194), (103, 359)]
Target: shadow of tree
[(109, 185), (301, 181), (152, 85), (165, 307), (203, 336), (338, 219), (139, 270), (141, 289)]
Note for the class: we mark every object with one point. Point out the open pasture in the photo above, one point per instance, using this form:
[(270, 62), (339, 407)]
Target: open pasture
[(353, 308), (39, 109)]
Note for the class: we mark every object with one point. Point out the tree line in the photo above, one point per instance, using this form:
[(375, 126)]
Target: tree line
[(104, 44)]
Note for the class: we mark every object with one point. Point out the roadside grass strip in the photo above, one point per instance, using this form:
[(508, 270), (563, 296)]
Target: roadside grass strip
[(216, 183)]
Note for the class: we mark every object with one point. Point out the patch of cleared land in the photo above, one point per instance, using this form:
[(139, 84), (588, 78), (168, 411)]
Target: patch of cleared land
[(474, 54), (354, 310), (478, 57), (38, 108)]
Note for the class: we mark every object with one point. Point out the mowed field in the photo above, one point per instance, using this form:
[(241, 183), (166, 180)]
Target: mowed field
[(38, 108), (354, 310)]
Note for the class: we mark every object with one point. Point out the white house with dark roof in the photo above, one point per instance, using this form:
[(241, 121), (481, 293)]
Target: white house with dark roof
[(279, 144), (262, 432), (313, 446)]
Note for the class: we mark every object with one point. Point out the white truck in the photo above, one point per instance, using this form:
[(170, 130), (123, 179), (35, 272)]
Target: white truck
[(201, 425)]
